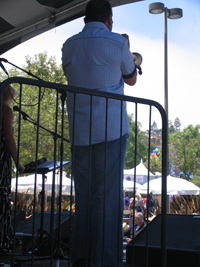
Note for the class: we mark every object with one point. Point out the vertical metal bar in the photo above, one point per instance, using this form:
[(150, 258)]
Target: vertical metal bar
[(134, 182), (70, 205), (36, 157), (147, 228), (53, 184), (120, 184), (70, 216), (42, 209), (63, 97), (89, 184), (164, 190), (72, 149), (105, 171), (18, 144)]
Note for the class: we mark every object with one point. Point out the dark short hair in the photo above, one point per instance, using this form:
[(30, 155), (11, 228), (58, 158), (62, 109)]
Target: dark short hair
[(98, 10)]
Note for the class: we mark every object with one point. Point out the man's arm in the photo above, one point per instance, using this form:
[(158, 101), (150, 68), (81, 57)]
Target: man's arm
[(131, 81)]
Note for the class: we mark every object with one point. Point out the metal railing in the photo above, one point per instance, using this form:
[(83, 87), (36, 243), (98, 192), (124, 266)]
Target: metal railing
[(59, 248)]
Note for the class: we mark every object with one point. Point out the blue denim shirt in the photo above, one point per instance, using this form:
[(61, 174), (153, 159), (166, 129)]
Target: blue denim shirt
[(97, 59)]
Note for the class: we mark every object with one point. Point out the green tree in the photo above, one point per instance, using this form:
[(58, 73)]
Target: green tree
[(177, 125), (46, 69), (142, 144), (184, 151), (171, 127), (154, 126)]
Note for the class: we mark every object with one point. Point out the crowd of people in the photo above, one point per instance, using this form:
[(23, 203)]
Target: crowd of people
[(137, 210), (139, 203)]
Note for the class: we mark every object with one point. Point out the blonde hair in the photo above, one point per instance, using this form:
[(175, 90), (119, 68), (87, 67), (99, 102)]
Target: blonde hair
[(9, 94), (137, 196)]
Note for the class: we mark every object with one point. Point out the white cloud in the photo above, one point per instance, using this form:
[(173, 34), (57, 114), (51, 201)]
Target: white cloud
[(50, 41), (183, 70), (183, 81)]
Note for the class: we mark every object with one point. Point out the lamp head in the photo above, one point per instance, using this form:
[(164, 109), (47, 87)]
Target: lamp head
[(156, 8), (175, 13)]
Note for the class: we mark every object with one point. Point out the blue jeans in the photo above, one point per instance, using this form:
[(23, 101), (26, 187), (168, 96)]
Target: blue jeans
[(97, 229)]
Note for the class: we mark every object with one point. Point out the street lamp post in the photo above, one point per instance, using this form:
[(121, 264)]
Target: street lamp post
[(174, 13)]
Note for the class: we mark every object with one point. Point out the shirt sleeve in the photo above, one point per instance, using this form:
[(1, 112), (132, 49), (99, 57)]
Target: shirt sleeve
[(128, 65)]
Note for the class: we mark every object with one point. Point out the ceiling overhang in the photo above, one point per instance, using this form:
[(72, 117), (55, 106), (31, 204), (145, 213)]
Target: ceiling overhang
[(20, 20)]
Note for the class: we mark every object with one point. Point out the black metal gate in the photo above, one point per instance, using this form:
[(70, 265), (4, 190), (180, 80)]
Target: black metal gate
[(45, 234)]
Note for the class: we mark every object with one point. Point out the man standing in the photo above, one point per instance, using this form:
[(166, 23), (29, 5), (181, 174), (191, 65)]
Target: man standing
[(98, 59)]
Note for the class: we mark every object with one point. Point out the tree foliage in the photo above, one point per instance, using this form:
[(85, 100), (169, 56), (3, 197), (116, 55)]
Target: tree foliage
[(171, 128), (46, 69), (174, 127), (184, 146), (142, 144), (154, 126), (177, 125), (184, 150)]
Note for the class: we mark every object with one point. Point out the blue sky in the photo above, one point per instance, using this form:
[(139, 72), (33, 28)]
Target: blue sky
[(146, 32)]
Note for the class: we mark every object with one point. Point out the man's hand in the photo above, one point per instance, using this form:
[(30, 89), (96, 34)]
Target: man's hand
[(127, 37)]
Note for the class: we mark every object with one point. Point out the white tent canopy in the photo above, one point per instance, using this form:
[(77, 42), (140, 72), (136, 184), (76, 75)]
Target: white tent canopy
[(175, 186), (129, 185), (26, 183), (141, 173), (158, 174)]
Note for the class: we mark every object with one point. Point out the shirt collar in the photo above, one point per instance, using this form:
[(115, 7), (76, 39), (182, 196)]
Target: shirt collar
[(95, 24)]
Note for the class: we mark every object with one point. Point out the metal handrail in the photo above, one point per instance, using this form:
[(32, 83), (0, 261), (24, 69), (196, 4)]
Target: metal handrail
[(62, 89)]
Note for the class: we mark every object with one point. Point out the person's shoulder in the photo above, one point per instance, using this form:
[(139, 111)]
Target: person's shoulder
[(7, 111), (72, 38), (7, 108), (117, 37)]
